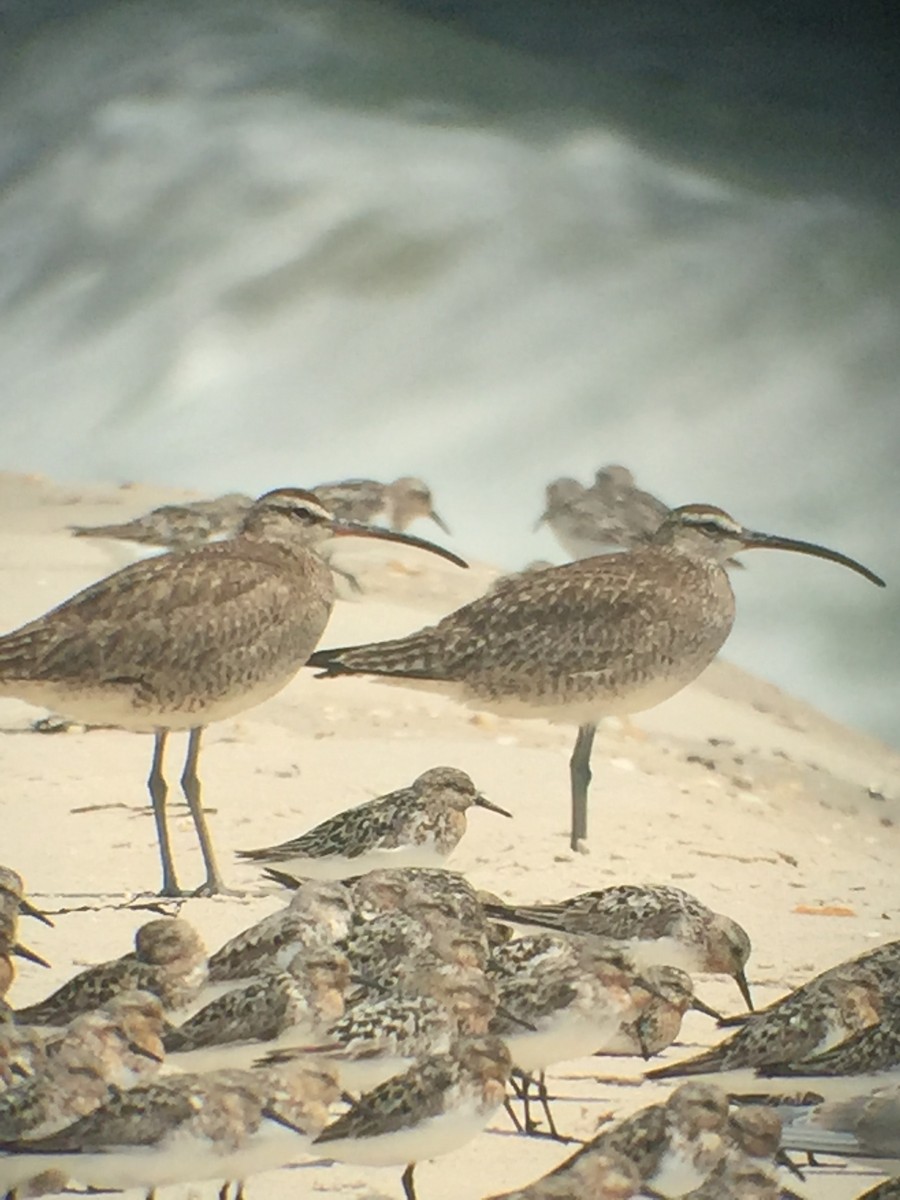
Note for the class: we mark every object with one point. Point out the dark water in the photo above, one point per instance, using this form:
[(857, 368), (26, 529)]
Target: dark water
[(244, 244)]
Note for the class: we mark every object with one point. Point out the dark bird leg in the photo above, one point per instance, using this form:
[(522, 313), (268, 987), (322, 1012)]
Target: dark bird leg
[(580, 773), (190, 785), (156, 785), (544, 1097), (409, 1189), (511, 1113)]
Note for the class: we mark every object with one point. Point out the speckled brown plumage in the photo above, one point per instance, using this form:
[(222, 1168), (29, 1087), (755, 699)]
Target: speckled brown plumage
[(610, 635), (187, 638)]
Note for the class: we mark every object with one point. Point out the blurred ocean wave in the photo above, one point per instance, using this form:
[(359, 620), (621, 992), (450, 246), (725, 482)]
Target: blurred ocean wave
[(243, 245)]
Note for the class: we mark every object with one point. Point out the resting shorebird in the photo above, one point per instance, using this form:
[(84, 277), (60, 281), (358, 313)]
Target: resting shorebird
[(605, 636), (187, 638), (612, 513), (177, 526), (398, 503), (416, 826)]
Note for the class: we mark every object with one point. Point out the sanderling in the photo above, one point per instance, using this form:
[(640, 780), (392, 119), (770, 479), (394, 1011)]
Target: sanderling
[(416, 826), (659, 925), (430, 1006), (366, 500), (316, 911), (674, 1146), (613, 513), (595, 1176), (437, 1105), (787, 1033), (177, 526), (183, 1128), (169, 960), (13, 899), (657, 1025), (737, 1178), (113, 1047), (278, 1007), (10, 949)]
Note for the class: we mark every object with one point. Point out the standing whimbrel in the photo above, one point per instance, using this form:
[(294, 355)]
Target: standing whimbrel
[(178, 641), (604, 636)]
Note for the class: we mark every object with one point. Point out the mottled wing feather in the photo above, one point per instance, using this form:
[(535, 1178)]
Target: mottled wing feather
[(141, 1116), (402, 1100), (252, 1013)]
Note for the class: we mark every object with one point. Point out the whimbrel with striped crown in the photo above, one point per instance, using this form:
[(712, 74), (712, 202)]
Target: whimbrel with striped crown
[(605, 636), (187, 638)]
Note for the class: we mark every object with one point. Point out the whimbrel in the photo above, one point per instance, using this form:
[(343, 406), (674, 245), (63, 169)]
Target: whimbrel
[(178, 641), (366, 500), (604, 636)]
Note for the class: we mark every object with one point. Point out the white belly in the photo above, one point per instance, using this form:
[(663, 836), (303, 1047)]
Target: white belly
[(560, 1039), (336, 867), (435, 1136)]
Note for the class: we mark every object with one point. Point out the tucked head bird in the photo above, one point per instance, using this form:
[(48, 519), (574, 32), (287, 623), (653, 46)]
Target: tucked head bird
[(187, 638), (604, 636)]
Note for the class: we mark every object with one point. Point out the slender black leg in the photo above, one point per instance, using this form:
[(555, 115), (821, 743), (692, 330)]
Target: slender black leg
[(190, 785), (224, 1190), (544, 1097), (511, 1113), (156, 785), (409, 1188), (580, 773)]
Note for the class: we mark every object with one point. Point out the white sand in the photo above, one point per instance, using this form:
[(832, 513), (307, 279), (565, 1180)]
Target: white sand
[(733, 790)]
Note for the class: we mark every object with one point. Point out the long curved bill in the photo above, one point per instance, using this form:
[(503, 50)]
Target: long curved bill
[(483, 802), (355, 529), (752, 539)]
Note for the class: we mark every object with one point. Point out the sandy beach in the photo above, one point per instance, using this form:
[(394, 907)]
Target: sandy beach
[(758, 804)]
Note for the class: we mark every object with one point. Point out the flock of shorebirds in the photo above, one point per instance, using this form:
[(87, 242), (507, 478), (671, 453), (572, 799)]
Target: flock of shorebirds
[(389, 1011)]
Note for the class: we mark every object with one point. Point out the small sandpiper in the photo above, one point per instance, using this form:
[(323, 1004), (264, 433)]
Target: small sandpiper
[(316, 913), (863, 1061), (416, 826), (177, 526), (611, 514), (436, 1106), (786, 1033), (673, 1146), (113, 1047), (429, 1006), (280, 1006), (657, 925), (169, 960), (595, 1176), (184, 1128), (398, 504)]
